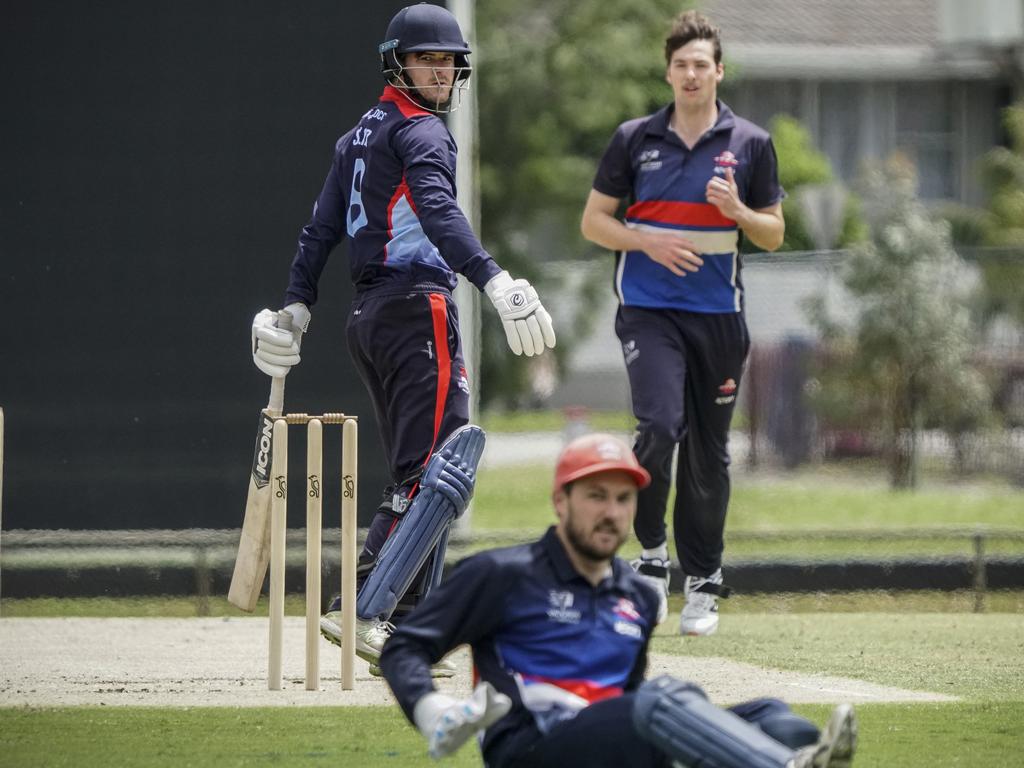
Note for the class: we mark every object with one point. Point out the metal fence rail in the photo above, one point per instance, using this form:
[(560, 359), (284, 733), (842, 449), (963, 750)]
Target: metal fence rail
[(198, 562)]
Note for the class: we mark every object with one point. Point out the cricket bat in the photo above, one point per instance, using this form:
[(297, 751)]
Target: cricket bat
[(254, 544)]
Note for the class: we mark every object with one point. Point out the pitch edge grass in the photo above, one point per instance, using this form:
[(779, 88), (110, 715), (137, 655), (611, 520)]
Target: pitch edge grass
[(905, 735)]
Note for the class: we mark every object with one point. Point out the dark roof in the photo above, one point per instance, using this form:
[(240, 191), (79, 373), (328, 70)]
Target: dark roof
[(825, 22)]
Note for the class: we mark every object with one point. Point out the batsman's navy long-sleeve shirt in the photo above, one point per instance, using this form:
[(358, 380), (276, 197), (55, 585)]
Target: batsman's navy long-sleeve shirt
[(540, 633), (391, 189)]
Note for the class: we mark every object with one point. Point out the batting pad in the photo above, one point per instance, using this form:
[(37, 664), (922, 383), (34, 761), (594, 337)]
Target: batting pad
[(445, 490), (437, 564), (677, 718)]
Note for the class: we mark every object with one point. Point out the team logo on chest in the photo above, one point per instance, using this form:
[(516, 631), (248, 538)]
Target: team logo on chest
[(625, 609), (626, 616), (649, 160), (561, 609), (726, 160)]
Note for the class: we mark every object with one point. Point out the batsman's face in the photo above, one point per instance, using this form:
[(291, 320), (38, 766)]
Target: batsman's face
[(432, 73), (596, 515), (694, 75)]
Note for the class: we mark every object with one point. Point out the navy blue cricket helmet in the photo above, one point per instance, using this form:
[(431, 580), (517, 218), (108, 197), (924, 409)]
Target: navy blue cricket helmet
[(424, 27)]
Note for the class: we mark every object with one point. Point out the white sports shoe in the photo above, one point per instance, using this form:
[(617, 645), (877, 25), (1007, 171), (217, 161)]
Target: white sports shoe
[(654, 570), (836, 745), (700, 614), (371, 634)]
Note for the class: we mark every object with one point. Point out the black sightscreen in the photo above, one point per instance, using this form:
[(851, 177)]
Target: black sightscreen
[(159, 159)]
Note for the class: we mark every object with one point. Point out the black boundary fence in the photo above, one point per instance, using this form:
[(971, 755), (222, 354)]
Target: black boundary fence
[(198, 562)]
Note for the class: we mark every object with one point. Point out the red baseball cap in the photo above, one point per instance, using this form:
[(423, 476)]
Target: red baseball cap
[(594, 453)]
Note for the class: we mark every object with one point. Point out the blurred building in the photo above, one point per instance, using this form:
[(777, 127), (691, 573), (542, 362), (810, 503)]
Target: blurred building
[(867, 77)]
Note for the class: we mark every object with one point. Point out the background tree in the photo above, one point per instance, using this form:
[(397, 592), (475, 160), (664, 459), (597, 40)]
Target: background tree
[(906, 354), (800, 164), (1002, 225), (554, 79), (998, 228)]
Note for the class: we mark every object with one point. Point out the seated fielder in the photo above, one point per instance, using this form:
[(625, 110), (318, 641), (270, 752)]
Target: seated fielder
[(559, 631)]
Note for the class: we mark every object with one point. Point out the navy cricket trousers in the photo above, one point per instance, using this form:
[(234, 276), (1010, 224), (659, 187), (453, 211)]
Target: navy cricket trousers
[(603, 736), (407, 350), (684, 374)]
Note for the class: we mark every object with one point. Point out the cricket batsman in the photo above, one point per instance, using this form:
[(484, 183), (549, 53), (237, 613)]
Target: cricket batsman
[(391, 190)]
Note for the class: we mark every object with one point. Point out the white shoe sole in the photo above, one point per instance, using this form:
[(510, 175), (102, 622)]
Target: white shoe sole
[(698, 627), (841, 731), (330, 631)]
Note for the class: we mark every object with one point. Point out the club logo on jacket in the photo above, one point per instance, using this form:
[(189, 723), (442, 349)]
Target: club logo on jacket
[(726, 392), (561, 609), (625, 609), (626, 618), (628, 628), (649, 160), (463, 381), (725, 160)]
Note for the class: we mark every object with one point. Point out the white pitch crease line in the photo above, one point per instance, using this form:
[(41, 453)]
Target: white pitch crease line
[(840, 691)]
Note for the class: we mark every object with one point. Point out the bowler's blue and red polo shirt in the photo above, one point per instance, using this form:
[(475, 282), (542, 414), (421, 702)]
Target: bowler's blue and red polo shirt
[(664, 183)]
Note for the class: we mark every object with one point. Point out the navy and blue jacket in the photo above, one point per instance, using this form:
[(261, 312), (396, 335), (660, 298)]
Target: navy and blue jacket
[(391, 189), (539, 632), (665, 184)]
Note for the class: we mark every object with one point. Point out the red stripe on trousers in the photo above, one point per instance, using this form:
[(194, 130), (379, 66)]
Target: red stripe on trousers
[(439, 315)]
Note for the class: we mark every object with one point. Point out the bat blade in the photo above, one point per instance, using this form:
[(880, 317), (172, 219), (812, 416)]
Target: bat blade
[(254, 543)]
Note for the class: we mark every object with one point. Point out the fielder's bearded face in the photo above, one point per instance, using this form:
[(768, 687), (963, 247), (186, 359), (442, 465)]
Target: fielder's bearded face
[(596, 513), (430, 75)]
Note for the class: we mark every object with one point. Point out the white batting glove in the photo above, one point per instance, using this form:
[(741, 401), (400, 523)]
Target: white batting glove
[(274, 349), (527, 324), (447, 722)]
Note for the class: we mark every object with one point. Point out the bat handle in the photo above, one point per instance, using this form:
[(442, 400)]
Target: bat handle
[(276, 404)]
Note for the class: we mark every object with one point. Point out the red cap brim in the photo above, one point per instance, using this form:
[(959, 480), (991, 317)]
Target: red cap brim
[(639, 474)]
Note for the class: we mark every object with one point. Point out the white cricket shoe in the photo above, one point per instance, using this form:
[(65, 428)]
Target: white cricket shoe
[(654, 571), (443, 668), (371, 634), (700, 613), (836, 745)]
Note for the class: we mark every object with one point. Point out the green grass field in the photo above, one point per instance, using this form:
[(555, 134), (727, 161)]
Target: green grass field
[(975, 735), (803, 504), (925, 641), (979, 658), (519, 497)]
